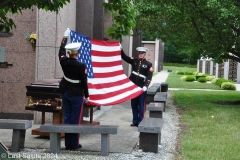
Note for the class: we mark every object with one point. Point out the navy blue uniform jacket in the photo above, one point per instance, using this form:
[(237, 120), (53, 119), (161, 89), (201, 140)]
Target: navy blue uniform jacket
[(75, 70), (140, 67)]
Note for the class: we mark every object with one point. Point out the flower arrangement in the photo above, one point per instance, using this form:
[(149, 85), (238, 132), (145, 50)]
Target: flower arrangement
[(33, 38)]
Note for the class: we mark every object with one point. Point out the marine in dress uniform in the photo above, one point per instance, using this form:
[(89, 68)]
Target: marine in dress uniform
[(141, 76), (74, 88)]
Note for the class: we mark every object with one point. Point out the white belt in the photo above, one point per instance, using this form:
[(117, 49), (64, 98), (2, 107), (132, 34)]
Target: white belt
[(71, 80), (140, 75)]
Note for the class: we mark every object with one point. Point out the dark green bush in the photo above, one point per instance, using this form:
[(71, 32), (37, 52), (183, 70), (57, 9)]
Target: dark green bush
[(219, 81), (190, 78), (202, 79), (189, 73), (228, 86)]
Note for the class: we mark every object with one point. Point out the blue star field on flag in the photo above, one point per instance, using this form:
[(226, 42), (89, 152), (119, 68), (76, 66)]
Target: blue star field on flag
[(84, 55)]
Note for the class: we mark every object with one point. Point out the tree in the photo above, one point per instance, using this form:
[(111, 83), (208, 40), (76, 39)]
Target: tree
[(123, 16), (122, 12), (209, 27), (16, 6)]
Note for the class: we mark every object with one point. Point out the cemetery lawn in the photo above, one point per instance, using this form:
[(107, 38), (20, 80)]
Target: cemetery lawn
[(209, 122)]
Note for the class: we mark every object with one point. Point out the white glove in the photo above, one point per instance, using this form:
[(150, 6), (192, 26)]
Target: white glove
[(144, 89), (120, 46), (86, 100), (67, 33)]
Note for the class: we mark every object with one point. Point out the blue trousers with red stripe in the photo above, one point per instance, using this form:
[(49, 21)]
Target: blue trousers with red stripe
[(138, 108), (72, 111)]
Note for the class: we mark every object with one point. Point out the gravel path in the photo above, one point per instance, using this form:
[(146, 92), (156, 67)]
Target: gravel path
[(167, 150)]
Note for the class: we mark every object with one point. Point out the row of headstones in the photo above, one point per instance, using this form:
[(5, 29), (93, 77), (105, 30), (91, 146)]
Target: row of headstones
[(229, 69), (150, 127)]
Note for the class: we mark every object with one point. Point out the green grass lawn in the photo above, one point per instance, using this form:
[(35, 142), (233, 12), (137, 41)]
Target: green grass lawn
[(212, 129)]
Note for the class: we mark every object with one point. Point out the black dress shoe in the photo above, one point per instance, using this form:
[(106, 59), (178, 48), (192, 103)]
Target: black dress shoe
[(78, 147), (134, 125), (68, 148)]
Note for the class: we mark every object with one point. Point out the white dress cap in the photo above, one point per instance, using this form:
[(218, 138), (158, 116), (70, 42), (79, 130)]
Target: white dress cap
[(73, 46), (141, 49)]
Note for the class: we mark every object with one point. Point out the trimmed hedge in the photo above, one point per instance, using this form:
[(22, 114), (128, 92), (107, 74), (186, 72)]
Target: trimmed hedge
[(210, 78), (202, 79), (219, 81), (189, 78), (228, 86)]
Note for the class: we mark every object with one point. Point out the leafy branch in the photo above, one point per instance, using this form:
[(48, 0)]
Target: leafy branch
[(123, 17)]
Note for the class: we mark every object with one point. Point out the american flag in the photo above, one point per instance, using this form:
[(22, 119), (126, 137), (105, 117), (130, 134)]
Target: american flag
[(107, 83)]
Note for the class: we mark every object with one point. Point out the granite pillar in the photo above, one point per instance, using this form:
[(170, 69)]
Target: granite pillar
[(85, 17), (98, 23)]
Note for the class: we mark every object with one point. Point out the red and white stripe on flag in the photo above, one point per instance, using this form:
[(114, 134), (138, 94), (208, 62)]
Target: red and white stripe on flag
[(110, 85)]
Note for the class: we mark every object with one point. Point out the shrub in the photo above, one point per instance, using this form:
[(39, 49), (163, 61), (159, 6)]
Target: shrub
[(190, 78), (214, 80), (200, 74), (210, 78), (228, 86), (180, 72), (183, 78), (189, 73), (219, 81), (202, 79)]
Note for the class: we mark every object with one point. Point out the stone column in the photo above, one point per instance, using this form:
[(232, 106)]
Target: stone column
[(156, 55), (198, 65), (98, 23), (203, 65), (216, 75), (211, 67), (85, 17), (226, 69), (161, 55), (238, 73), (137, 42)]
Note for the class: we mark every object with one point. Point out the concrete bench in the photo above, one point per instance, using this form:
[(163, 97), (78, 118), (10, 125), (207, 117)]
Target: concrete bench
[(150, 134), (162, 93), (151, 91), (56, 129), (158, 85), (155, 110), (19, 131), (161, 97)]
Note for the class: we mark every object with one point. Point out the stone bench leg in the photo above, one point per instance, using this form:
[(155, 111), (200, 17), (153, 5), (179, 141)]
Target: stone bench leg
[(159, 138), (104, 144), (55, 143), (18, 140), (149, 142), (155, 114)]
